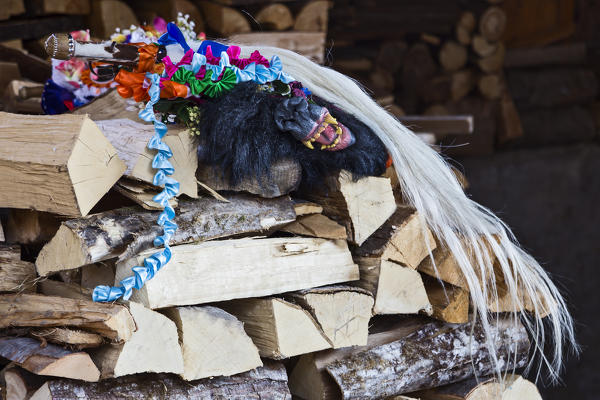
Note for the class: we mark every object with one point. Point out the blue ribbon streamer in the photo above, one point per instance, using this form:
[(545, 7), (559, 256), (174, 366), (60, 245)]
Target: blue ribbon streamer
[(152, 264)]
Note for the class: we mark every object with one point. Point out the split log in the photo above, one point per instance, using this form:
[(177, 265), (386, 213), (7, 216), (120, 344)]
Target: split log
[(392, 54), (491, 86), (65, 168), (278, 328), (560, 54), (15, 103), (283, 178), (265, 383), (142, 194), (110, 106), (102, 273), (418, 67), (213, 343), (303, 207), (361, 206), (514, 387), (16, 275), (309, 44), (482, 47), (465, 27), (316, 225), (112, 321), (65, 289), (50, 360), (153, 347), (48, 7), (72, 338), (108, 15), (313, 17), (492, 23), (19, 384), (131, 139), (449, 303), (240, 268), (102, 236), (509, 121), (275, 16), (397, 289), (12, 7), (435, 355), (493, 62), (462, 83), (10, 252), (30, 226), (552, 87), (223, 20), (453, 56), (342, 312), (9, 71)]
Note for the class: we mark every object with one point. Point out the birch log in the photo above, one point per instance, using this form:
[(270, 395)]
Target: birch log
[(130, 138), (435, 355), (264, 383), (102, 236), (60, 163), (241, 268), (515, 387)]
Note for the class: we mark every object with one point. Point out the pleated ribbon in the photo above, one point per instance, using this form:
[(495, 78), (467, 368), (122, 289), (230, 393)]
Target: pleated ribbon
[(152, 264)]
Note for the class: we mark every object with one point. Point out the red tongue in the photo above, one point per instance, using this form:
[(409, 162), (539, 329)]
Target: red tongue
[(327, 135)]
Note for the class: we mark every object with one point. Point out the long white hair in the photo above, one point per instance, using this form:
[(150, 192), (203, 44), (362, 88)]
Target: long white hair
[(469, 230)]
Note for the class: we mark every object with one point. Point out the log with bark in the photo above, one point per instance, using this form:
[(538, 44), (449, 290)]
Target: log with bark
[(418, 67), (453, 56), (491, 86), (142, 194), (241, 268), (128, 231), (16, 275), (482, 47), (14, 102), (108, 15), (275, 16), (265, 383), (493, 62), (63, 163), (153, 347), (361, 206), (213, 342), (492, 23), (223, 20), (112, 321), (465, 27), (462, 83), (49, 7), (312, 16), (49, 360), (514, 387), (74, 339), (18, 383), (12, 7), (309, 44)]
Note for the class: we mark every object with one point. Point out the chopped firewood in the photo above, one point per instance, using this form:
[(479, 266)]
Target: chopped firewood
[(268, 383), (30, 226), (509, 121), (49, 7), (313, 17), (112, 321), (453, 56), (462, 351), (342, 312), (130, 138), (10, 252), (1, 232), (449, 303), (108, 15), (72, 338), (240, 268), (464, 27), (16, 275), (102, 273), (397, 289), (142, 194), (14, 102), (309, 44), (19, 384), (223, 20), (147, 10), (492, 23), (213, 342), (403, 238), (462, 83), (431, 39), (361, 206), (65, 164), (69, 290), (275, 16), (493, 62), (153, 347), (303, 207), (482, 47), (316, 225), (283, 178), (515, 387), (110, 105), (279, 329), (49, 360), (102, 236), (12, 7), (491, 86)]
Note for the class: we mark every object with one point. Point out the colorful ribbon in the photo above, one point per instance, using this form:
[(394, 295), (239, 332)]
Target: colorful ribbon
[(164, 168)]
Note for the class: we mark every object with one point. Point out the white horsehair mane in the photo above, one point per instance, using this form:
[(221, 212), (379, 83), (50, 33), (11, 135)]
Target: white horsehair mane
[(465, 227)]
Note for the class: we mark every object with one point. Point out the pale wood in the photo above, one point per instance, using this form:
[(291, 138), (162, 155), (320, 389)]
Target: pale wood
[(431, 39), (453, 56), (2, 238), (107, 15), (514, 387), (111, 105), (223, 20), (482, 47), (103, 236), (65, 164), (142, 194), (275, 16), (491, 86), (11, 7), (316, 225), (462, 82), (303, 207), (397, 289), (16, 275), (18, 383), (449, 303), (492, 23), (460, 350), (67, 289), (10, 252), (13, 101), (72, 338), (153, 347), (240, 268), (265, 383), (403, 238), (313, 17), (361, 206), (309, 44), (50, 360), (48, 7), (112, 321), (130, 138), (102, 273), (493, 63), (30, 226), (464, 27), (284, 177), (213, 342), (342, 312), (279, 329)]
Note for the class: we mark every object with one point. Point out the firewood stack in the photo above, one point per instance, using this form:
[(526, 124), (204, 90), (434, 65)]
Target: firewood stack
[(272, 290)]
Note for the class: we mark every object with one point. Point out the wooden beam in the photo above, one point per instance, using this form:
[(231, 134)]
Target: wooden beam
[(454, 124), (30, 66), (39, 27)]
